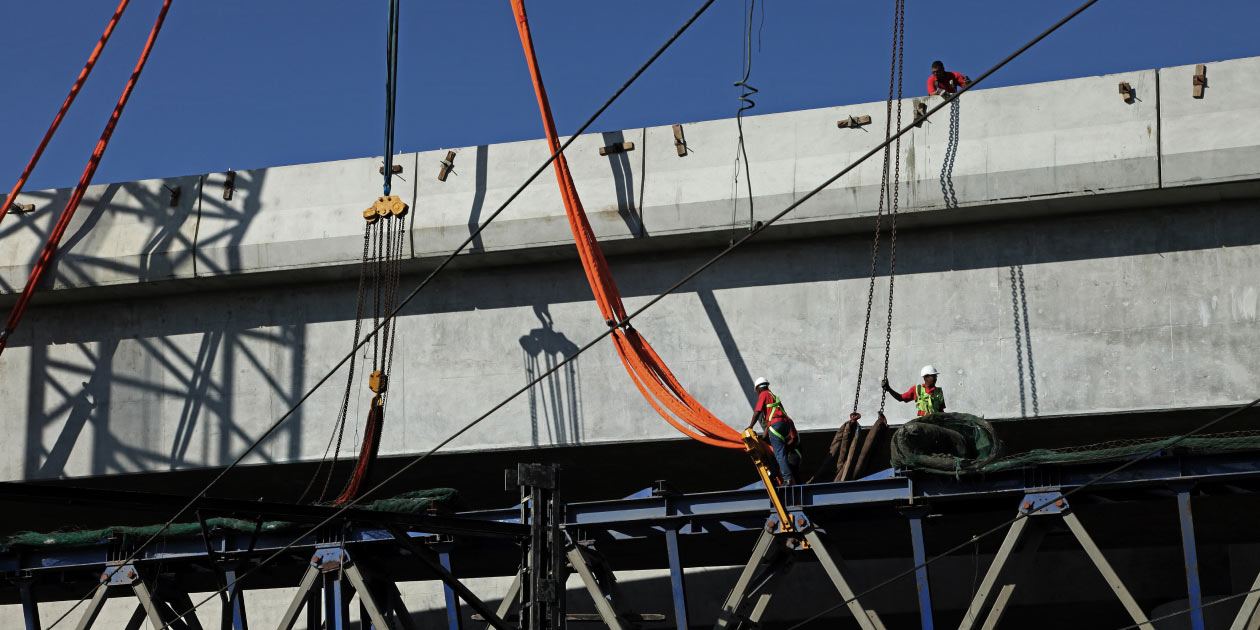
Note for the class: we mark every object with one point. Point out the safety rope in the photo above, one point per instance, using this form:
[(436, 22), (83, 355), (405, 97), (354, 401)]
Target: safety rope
[(49, 251), (647, 370), (65, 107), (745, 104), (891, 151)]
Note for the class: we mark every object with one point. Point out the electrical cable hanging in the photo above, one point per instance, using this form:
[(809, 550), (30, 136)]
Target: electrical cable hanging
[(49, 251), (745, 104), (65, 107), (890, 192), (647, 370)]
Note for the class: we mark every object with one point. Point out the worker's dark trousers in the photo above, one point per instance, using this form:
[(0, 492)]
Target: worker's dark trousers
[(780, 459)]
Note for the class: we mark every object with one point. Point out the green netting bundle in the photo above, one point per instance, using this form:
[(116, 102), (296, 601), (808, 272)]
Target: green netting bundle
[(1124, 449), (126, 534), (417, 501), (949, 443)]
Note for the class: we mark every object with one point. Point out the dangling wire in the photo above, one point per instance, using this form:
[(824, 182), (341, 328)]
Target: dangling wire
[(894, 92), (391, 90), (745, 104)]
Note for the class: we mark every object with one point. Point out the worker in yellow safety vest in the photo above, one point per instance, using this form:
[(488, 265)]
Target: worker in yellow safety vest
[(779, 431), (927, 397)]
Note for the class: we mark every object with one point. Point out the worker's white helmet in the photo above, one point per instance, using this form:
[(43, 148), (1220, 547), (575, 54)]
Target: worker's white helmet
[(761, 380), (927, 369)]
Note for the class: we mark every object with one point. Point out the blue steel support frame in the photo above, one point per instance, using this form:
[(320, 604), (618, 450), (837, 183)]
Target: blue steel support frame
[(676, 579), (30, 607), (337, 596), (454, 617), (236, 599), (922, 586), (1191, 554)]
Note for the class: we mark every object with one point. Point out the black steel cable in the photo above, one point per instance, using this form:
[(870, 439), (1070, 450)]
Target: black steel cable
[(391, 90), (745, 104), (414, 292), (1191, 609), (688, 278)]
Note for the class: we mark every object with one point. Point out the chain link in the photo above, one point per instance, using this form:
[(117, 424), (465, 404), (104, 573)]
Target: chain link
[(896, 197), (894, 89)]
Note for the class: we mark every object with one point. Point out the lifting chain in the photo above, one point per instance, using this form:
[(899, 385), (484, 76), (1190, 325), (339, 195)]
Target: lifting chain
[(894, 91)]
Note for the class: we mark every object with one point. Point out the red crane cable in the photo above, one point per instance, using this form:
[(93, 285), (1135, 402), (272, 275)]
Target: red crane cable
[(658, 385), (50, 247), (65, 107)]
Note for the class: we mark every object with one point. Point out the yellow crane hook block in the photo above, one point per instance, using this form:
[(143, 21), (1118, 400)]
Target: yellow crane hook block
[(385, 207)]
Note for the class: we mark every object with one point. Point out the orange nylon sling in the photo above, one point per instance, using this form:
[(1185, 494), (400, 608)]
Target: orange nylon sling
[(658, 385)]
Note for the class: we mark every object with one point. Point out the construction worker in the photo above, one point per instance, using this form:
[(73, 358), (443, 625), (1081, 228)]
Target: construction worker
[(926, 396), (779, 431), (944, 83)]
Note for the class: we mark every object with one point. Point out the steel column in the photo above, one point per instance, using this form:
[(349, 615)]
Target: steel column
[(304, 596), (1191, 554), (367, 599), (1095, 554), (146, 600), (30, 607), (602, 604), (93, 609), (336, 602), (454, 618), (234, 617), (922, 586), (442, 567), (677, 587), (509, 599)]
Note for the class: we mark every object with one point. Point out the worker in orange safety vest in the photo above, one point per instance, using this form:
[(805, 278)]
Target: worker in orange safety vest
[(927, 397), (779, 431)]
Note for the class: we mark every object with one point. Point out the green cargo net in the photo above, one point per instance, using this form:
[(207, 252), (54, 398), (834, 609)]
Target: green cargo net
[(413, 502), (959, 444)]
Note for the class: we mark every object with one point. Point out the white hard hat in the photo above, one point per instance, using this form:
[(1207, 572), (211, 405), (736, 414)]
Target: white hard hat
[(761, 380), (927, 369)]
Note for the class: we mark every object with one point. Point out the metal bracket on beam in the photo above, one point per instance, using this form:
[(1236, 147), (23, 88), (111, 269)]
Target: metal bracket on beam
[(1199, 80), (229, 185), (680, 142), (1126, 92), (920, 113), (617, 147), (853, 122), (21, 207), (394, 169), (448, 166)]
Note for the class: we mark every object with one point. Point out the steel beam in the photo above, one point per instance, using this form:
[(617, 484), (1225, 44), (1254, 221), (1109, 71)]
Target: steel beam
[(1248, 611), (337, 597), (1190, 553), (986, 590), (234, 616), (603, 605), (763, 551), (150, 607), (442, 568), (831, 565), (300, 598), (454, 618), (1100, 561), (367, 599), (677, 587), (93, 609)]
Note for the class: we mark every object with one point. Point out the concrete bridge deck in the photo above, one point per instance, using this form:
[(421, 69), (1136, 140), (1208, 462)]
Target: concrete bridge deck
[(1078, 254)]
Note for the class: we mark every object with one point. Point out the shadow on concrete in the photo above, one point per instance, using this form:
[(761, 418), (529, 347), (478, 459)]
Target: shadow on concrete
[(623, 179), (479, 196), (727, 339), (555, 402)]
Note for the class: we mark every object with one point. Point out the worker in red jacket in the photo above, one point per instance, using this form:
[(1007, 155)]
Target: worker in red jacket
[(780, 431), (927, 397), (942, 82)]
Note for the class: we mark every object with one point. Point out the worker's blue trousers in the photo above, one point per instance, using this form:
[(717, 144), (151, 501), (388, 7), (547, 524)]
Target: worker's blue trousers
[(780, 458)]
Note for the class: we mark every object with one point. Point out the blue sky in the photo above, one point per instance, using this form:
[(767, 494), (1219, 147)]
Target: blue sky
[(234, 84)]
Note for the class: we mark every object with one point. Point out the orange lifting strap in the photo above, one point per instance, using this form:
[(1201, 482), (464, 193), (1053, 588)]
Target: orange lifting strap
[(657, 384)]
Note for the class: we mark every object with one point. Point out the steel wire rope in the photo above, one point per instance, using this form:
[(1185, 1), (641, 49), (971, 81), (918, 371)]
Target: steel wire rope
[(411, 295), (1035, 507), (625, 321), (391, 92)]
